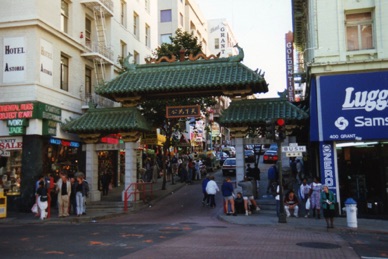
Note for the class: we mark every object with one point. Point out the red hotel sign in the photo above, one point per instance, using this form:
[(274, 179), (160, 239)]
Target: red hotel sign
[(290, 66)]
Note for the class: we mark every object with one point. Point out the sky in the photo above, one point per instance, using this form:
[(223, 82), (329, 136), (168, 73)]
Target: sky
[(259, 27)]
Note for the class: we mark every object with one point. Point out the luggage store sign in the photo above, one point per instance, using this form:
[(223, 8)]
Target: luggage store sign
[(353, 106)]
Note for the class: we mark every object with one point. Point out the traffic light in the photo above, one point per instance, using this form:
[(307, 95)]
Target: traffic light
[(281, 129), (270, 130)]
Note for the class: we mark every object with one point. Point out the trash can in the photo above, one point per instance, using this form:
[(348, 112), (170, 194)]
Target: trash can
[(3, 204), (351, 212)]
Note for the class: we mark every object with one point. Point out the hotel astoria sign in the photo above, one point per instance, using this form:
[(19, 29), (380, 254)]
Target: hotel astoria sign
[(14, 60)]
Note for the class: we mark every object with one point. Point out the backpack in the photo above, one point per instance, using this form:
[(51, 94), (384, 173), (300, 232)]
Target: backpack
[(43, 195)]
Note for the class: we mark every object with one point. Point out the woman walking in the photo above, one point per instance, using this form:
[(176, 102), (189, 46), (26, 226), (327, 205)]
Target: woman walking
[(315, 197), (328, 201)]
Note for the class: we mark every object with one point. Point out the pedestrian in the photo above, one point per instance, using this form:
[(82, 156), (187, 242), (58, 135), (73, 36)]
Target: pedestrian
[(254, 174), (197, 171), (155, 171), (299, 170), (239, 204), (272, 179), (64, 190), (291, 204), (205, 200), (105, 182), (41, 198), (303, 193), (73, 201), (212, 189), (227, 192), (81, 192), (315, 197), (328, 206), (247, 191)]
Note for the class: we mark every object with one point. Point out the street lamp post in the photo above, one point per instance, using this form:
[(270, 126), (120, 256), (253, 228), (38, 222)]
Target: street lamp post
[(282, 213)]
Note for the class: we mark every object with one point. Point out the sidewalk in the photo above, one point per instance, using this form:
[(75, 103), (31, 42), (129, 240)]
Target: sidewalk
[(262, 218), (109, 207)]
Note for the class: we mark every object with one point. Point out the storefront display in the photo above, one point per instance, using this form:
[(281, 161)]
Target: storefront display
[(11, 165)]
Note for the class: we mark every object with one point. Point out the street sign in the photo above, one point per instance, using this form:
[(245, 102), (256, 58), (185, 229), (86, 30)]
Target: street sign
[(294, 149), (293, 154)]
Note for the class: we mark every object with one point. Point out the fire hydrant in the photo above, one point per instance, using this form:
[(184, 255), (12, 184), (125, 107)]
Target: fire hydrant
[(351, 212)]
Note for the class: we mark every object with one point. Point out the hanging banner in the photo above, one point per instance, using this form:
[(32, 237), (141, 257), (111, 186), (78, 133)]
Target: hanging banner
[(290, 66)]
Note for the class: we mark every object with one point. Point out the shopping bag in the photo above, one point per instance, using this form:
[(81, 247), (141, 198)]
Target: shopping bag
[(34, 208), (308, 204)]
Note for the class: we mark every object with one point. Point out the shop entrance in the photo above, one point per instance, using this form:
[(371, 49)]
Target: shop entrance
[(363, 175)]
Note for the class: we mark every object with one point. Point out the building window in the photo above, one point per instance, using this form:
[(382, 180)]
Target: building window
[(136, 57), (181, 19), (147, 35), (123, 49), (359, 31), (165, 38), (135, 24), (64, 73), (165, 15), (123, 16), (88, 82), (64, 16), (147, 5), (216, 43), (88, 32)]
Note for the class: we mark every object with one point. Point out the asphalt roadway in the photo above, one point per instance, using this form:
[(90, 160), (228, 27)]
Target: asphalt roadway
[(181, 227)]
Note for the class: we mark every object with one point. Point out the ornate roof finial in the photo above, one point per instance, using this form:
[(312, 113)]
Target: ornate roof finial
[(240, 56), (126, 64)]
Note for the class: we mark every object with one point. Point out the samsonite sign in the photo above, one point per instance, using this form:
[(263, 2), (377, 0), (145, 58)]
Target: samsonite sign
[(353, 106)]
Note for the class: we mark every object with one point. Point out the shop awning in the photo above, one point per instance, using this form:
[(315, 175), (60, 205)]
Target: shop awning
[(255, 112)]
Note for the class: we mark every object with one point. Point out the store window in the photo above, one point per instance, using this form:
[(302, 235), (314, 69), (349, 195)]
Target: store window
[(10, 165), (359, 31)]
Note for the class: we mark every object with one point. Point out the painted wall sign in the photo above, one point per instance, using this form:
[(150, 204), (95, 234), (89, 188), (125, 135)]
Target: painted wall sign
[(31, 110), (46, 63), (353, 106), (14, 60)]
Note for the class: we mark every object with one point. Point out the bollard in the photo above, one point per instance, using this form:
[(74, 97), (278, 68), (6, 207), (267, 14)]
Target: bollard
[(351, 212)]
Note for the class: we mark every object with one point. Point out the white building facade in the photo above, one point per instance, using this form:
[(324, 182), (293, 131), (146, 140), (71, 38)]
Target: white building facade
[(55, 54), (221, 38), (346, 68)]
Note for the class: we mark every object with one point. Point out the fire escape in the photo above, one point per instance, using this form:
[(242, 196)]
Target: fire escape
[(98, 49)]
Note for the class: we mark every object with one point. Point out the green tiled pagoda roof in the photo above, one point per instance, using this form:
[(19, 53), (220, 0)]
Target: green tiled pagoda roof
[(212, 77), (253, 112), (108, 120)]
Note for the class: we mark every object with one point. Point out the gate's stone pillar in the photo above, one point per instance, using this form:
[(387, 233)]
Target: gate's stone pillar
[(130, 177), (92, 172), (239, 134)]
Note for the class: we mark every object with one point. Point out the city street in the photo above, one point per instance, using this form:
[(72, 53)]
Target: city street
[(178, 226)]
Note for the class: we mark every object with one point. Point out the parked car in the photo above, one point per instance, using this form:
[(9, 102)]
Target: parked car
[(250, 156), (270, 156), (229, 167), (222, 156), (231, 151)]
